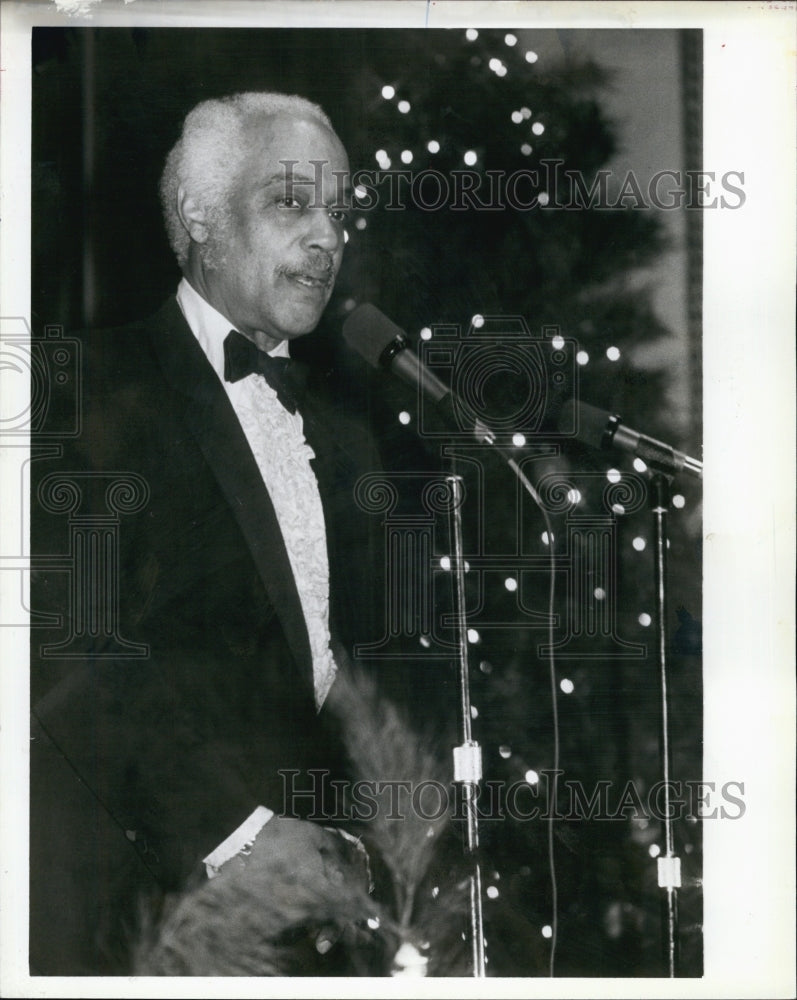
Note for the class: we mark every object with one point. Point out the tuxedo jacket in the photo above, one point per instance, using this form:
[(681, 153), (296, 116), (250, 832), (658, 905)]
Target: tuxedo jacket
[(172, 687)]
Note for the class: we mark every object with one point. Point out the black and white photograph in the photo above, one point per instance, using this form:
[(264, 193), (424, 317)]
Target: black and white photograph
[(398, 467)]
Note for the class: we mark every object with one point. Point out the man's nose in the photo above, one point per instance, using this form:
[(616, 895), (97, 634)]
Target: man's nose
[(323, 233)]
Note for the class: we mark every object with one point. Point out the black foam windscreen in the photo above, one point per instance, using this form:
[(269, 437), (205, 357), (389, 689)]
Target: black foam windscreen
[(369, 332), (589, 422)]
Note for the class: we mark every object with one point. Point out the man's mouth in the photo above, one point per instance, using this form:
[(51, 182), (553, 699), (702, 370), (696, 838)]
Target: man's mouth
[(311, 280), (317, 274)]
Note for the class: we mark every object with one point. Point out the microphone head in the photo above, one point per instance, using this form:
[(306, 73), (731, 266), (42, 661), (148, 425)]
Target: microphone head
[(370, 332), (589, 422)]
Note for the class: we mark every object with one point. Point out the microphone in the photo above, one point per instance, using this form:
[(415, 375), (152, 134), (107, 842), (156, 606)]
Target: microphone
[(604, 431), (385, 345)]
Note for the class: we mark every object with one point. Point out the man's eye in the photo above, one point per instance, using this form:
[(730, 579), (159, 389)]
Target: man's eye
[(340, 215), (288, 201)]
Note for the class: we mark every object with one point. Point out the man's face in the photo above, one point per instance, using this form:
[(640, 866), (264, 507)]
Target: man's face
[(281, 248)]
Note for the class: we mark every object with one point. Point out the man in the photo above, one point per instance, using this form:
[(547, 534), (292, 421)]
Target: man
[(202, 641)]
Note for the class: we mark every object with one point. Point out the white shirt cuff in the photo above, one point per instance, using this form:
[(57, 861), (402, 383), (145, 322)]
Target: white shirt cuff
[(237, 841)]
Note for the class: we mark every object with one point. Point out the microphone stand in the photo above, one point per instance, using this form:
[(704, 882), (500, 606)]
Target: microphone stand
[(669, 865), (468, 755)]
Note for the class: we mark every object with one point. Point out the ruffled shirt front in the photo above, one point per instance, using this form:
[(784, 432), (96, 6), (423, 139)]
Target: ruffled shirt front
[(282, 454)]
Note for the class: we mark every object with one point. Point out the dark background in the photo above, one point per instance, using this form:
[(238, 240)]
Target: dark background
[(107, 106)]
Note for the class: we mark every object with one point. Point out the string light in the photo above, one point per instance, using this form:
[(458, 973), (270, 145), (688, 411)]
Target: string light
[(406, 156), (547, 931), (404, 417), (492, 892), (599, 594), (516, 117), (582, 357), (639, 465), (538, 128), (388, 92), (477, 321), (474, 712), (544, 537), (526, 149), (678, 501), (510, 39), (567, 685), (445, 563), (654, 850), (618, 508), (473, 635), (349, 304), (360, 224), (613, 353), (471, 34), (505, 752), (426, 333), (543, 198), (574, 496), (644, 619), (404, 106), (531, 777), (531, 57), (526, 112), (613, 475), (639, 544), (425, 641), (558, 342), (433, 146), (486, 667), (470, 158), (511, 584), (518, 439)]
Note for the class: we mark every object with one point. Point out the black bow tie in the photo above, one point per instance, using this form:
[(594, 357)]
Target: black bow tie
[(286, 377)]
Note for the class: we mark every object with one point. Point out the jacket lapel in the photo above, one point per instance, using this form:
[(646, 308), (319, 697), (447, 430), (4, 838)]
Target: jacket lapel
[(211, 420)]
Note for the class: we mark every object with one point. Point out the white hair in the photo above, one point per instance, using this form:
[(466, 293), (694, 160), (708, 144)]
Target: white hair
[(205, 159)]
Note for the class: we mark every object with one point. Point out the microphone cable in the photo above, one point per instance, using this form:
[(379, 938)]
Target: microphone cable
[(527, 485)]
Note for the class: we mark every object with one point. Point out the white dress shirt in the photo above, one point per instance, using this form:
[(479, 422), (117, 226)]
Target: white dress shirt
[(276, 438)]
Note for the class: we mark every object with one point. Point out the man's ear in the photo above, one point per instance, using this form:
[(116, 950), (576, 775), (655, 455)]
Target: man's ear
[(192, 216)]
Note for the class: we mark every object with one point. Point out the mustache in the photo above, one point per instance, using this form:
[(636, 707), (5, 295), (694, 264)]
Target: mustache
[(320, 266)]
